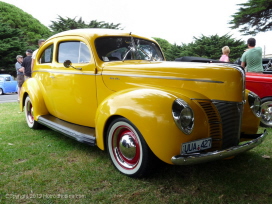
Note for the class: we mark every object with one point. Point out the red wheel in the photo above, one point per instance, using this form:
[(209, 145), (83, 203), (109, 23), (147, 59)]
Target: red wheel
[(29, 114), (127, 149)]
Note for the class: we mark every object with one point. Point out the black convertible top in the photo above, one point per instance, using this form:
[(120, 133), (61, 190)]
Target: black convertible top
[(197, 59)]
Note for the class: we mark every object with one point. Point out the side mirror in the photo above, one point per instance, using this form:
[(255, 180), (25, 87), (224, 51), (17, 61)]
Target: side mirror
[(68, 63)]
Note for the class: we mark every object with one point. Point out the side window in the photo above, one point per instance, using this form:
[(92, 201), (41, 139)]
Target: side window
[(84, 53), (7, 78), (47, 55), (76, 52)]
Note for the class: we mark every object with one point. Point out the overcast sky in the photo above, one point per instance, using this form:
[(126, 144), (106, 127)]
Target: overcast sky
[(176, 21)]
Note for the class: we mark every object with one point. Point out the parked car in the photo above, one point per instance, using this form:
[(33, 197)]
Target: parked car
[(259, 83), (7, 84), (114, 89)]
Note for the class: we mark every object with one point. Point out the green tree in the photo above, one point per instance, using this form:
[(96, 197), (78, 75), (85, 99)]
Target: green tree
[(63, 24), (165, 46), (171, 52), (210, 47), (10, 46), (253, 17), (32, 29), (18, 32), (174, 52)]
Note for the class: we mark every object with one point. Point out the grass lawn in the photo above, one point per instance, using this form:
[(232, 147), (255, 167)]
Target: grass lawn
[(43, 166)]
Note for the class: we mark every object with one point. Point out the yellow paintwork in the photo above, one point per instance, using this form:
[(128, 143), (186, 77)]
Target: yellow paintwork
[(250, 123), (141, 91)]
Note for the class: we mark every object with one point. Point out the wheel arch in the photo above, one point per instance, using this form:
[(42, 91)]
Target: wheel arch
[(32, 89), (3, 90), (151, 113)]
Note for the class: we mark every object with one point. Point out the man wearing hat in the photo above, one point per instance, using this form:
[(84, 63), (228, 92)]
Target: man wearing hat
[(20, 73), (27, 64)]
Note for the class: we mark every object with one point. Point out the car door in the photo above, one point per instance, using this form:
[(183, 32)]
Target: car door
[(8, 84), (71, 92)]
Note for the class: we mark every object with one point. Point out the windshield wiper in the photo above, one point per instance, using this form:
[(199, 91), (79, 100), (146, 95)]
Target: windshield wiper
[(150, 57), (131, 49)]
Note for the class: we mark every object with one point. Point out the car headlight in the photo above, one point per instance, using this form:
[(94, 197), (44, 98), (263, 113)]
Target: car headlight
[(254, 103), (183, 116)]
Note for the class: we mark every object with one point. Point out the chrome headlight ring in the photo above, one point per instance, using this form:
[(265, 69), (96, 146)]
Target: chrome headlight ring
[(183, 116), (254, 103)]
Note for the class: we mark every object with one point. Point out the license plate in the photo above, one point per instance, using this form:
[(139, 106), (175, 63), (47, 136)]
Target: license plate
[(196, 145)]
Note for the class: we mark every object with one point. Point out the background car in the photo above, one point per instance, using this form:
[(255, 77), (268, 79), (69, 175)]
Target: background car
[(7, 84), (261, 84)]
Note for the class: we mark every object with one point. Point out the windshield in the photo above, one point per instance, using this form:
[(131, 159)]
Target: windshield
[(127, 48)]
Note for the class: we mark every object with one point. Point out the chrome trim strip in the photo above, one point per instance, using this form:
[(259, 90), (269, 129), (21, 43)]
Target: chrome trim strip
[(130, 75), (198, 158), (157, 77), (218, 101), (65, 72)]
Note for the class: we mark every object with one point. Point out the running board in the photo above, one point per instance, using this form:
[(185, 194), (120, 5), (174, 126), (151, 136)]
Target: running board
[(80, 133)]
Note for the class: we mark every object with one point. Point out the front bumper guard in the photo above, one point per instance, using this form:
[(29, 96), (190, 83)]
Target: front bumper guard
[(197, 158)]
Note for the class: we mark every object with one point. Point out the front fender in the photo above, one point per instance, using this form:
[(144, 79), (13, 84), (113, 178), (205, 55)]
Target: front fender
[(250, 122), (32, 88), (150, 111)]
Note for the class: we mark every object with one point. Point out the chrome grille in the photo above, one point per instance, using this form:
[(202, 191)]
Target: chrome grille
[(224, 121), (230, 114)]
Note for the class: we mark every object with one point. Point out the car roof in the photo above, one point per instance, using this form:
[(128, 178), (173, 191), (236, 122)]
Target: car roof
[(97, 32)]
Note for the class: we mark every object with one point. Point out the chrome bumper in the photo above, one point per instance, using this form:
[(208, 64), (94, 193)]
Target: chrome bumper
[(196, 158)]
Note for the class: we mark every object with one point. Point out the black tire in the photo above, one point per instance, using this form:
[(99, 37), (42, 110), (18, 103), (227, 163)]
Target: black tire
[(29, 109), (266, 112), (128, 150), (1, 92)]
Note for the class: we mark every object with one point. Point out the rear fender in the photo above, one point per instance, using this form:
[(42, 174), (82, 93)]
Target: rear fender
[(32, 88)]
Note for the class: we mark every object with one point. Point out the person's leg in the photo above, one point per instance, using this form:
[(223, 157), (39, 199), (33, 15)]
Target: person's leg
[(20, 79)]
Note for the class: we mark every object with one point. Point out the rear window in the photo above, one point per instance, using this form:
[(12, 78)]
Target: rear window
[(47, 55)]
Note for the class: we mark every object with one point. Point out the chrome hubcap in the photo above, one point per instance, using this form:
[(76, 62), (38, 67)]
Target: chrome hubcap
[(29, 112), (266, 116), (125, 147)]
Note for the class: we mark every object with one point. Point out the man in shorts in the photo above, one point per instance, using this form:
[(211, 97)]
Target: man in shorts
[(20, 73)]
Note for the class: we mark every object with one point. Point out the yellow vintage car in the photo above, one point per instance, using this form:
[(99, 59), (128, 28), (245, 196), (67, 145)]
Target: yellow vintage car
[(114, 89)]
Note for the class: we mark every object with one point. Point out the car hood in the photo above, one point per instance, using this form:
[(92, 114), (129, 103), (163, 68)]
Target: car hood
[(217, 81)]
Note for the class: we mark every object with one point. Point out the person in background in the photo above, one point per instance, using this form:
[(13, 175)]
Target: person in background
[(27, 64), (251, 59), (20, 73), (40, 43), (225, 56)]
